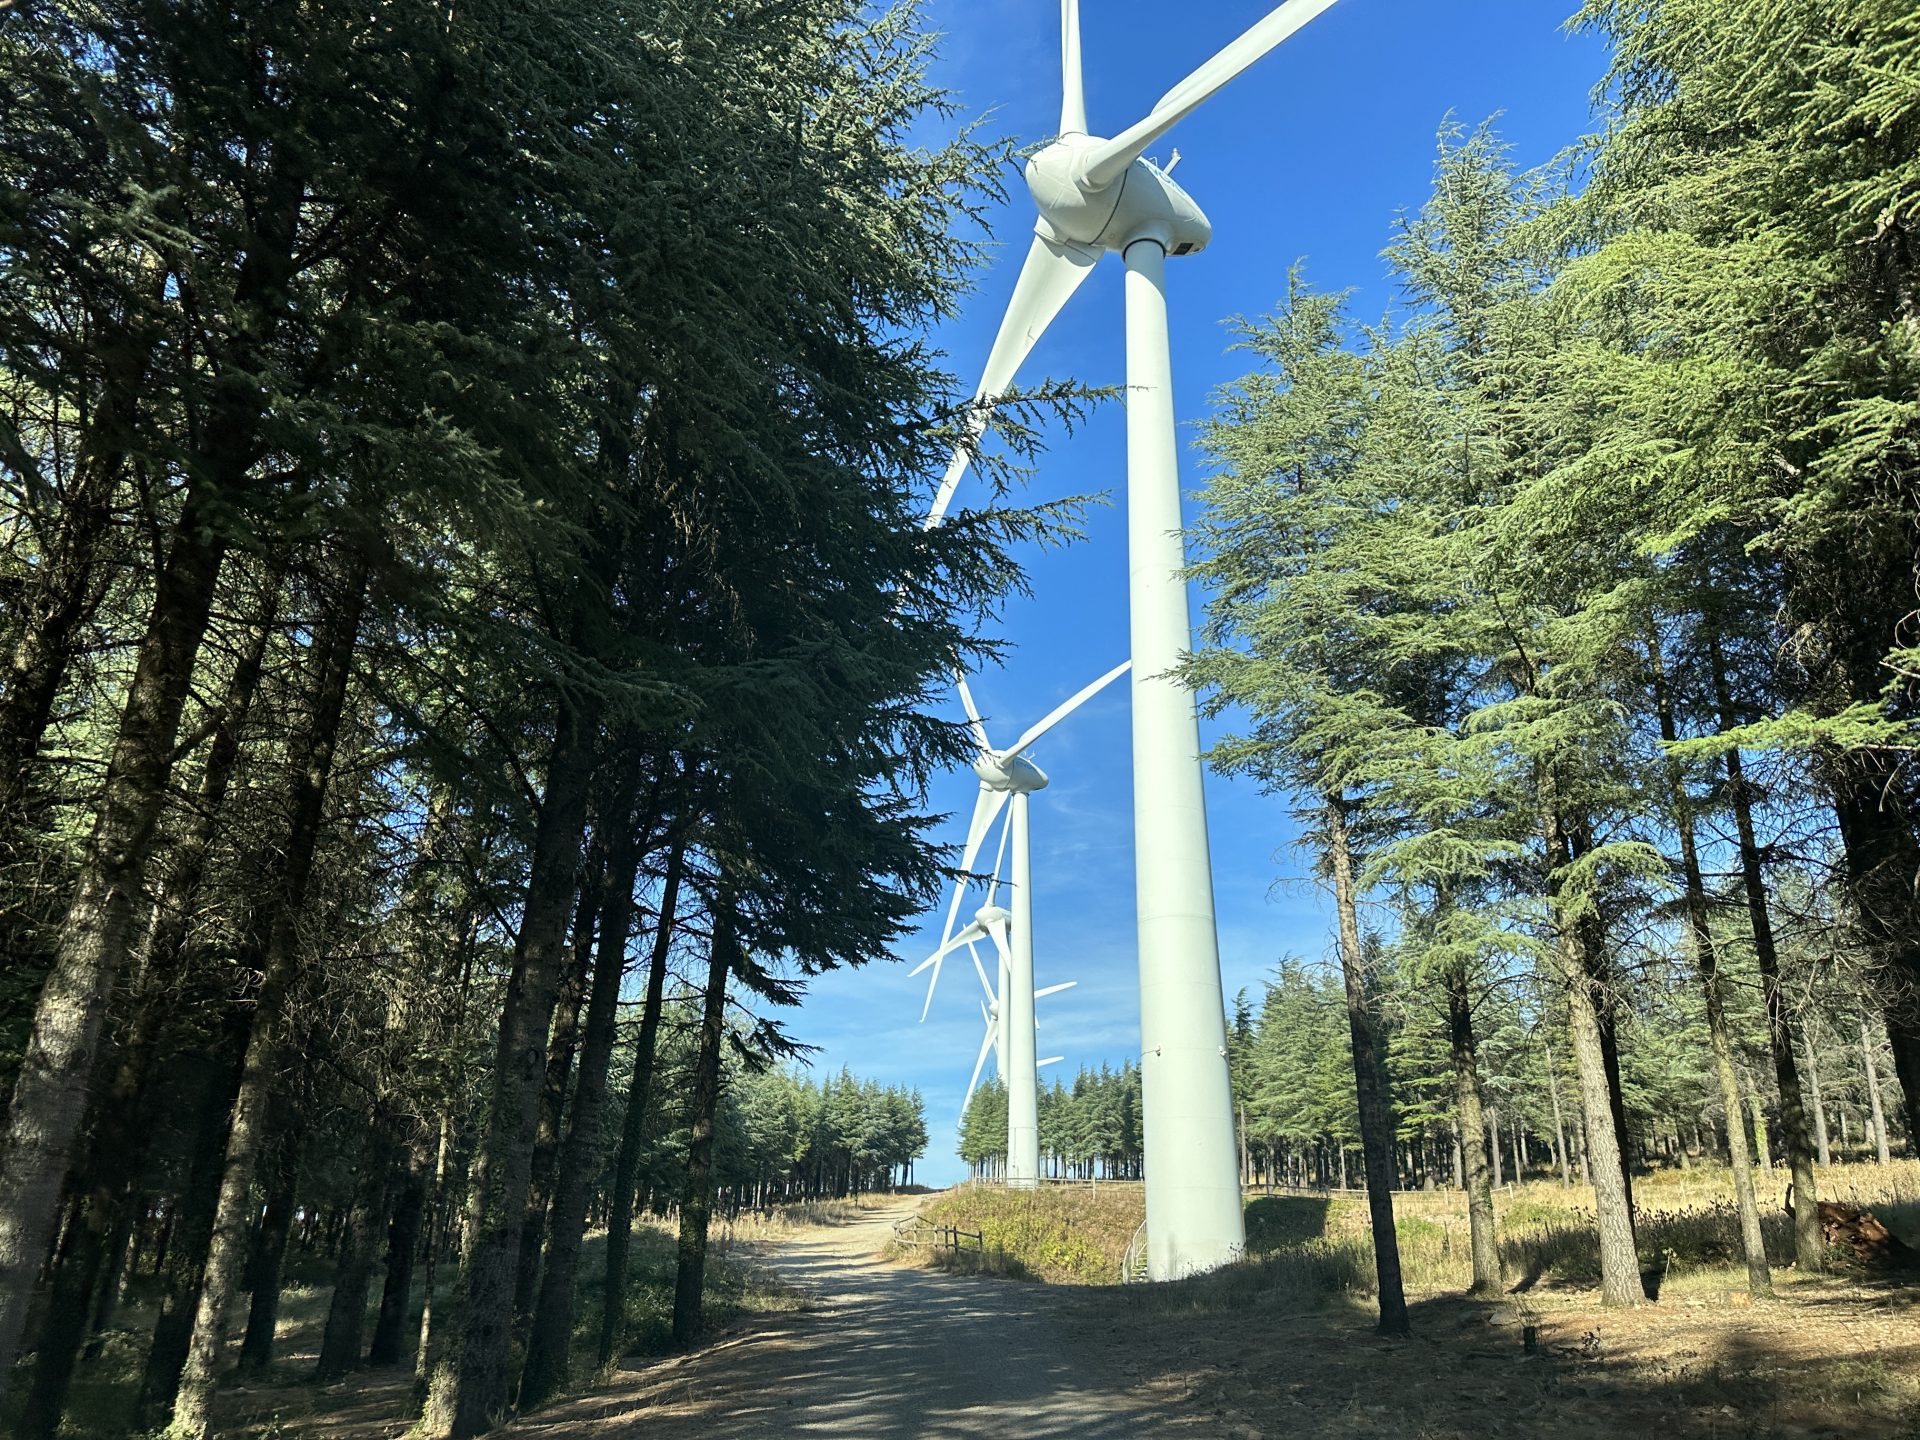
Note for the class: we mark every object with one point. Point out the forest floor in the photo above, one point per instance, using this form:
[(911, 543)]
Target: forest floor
[(884, 1351), (1285, 1344), (1282, 1346), (1829, 1358)]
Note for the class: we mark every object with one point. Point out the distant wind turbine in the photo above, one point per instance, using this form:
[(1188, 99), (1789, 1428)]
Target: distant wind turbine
[(1008, 777)]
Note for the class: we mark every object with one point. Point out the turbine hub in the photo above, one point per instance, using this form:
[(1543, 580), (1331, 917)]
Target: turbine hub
[(1143, 204), (1013, 774), (991, 915)]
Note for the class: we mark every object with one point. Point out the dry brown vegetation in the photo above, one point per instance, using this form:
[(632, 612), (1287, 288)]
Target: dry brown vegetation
[(1284, 1343), (1078, 1234)]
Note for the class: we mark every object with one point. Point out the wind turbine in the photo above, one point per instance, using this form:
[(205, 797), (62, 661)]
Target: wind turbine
[(990, 1041), (1096, 196), (991, 922), (1007, 777)]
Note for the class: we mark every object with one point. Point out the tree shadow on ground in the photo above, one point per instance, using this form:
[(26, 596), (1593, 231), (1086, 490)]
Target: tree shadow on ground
[(1833, 1357), (1276, 1220)]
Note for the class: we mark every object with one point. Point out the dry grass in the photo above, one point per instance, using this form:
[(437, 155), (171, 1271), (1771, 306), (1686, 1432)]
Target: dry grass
[(1068, 1235), (1314, 1245), (752, 1227), (1835, 1355), (1833, 1359)]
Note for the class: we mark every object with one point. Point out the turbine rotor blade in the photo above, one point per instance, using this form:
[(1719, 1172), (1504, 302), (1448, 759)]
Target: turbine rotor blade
[(986, 805), (1073, 94), (981, 971), (1050, 1060), (1060, 712), (973, 933), (999, 858), (979, 1064), (1054, 989), (1002, 943), (973, 712), (995, 801), (938, 958), (1110, 161), (1053, 271)]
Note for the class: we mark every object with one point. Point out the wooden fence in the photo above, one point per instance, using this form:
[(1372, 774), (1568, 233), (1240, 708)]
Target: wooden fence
[(919, 1234)]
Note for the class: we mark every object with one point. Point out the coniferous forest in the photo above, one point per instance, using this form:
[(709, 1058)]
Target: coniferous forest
[(1572, 606), (470, 647), (472, 654)]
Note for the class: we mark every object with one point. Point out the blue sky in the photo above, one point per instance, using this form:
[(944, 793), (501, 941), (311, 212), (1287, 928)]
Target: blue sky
[(1310, 155)]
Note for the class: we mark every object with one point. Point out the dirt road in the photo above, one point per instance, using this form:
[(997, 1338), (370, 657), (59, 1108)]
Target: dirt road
[(881, 1353)]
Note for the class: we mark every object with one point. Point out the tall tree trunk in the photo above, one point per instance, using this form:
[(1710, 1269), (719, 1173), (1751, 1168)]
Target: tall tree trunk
[(1872, 1067), (1620, 1282), (1477, 1170), (1782, 1041), (353, 1270), (633, 1128), (50, 1091), (1762, 1149), (76, 1275), (409, 1139), (118, 1135), (445, 1209), (562, 1048), (403, 1245), (472, 1383), (269, 1257), (122, 1127), (1707, 962), (1559, 1124), (312, 750), (191, 1229), (1809, 1246), (696, 1203), (550, 1343), (1592, 948), (1822, 1149), (1752, 1243), (442, 1213), (1369, 1079), (63, 588)]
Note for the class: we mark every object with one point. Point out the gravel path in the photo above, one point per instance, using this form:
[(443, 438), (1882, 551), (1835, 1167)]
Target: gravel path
[(881, 1353)]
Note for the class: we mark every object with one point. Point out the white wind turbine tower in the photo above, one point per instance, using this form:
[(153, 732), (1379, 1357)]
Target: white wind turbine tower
[(1094, 196), (1007, 776)]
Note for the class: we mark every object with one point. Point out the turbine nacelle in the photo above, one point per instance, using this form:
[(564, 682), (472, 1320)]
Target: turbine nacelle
[(1144, 203), (1009, 774), (1097, 195)]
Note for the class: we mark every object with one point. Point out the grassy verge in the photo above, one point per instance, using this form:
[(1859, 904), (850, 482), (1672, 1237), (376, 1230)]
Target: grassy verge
[(1306, 1246), (1067, 1235)]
